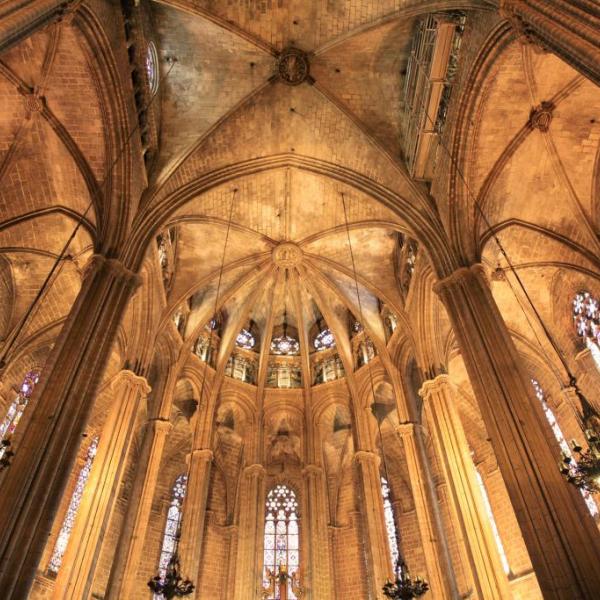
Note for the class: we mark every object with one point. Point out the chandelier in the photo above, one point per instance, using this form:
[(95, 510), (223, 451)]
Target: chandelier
[(5, 454), (584, 471), (172, 584), (404, 588)]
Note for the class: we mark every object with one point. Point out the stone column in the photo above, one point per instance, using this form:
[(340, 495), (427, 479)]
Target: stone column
[(194, 515), (455, 457), (588, 377), (561, 537), (318, 575), (130, 546), (34, 485), (569, 28), (77, 571), (19, 19), (248, 572), (437, 557), (378, 562)]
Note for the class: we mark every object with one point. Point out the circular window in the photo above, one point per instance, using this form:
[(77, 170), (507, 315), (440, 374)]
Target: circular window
[(284, 344), (324, 340), (152, 68), (245, 340)]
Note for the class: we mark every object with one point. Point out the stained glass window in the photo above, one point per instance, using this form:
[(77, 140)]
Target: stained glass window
[(490, 515), (324, 340), (284, 344), (179, 320), (64, 534), (152, 68), (170, 536), (560, 438), (282, 541), (586, 313), (17, 407), (390, 522), (245, 340)]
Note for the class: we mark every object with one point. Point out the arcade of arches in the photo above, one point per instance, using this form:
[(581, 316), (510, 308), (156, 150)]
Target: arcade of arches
[(310, 284)]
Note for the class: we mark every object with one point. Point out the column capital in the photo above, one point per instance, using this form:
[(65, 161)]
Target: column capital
[(312, 471), (115, 267), (255, 470), (434, 385), (160, 424), (364, 456), (476, 270), (129, 378), (203, 454), (408, 429)]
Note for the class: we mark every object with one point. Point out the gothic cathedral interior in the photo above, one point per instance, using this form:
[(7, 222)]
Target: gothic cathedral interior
[(299, 299)]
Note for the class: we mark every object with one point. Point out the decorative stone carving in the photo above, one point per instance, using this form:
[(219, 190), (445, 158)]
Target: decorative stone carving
[(293, 66), (525, 34), (34, 103), (541, 116), (287, 255)]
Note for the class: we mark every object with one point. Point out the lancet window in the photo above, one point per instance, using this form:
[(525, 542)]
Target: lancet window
[(17, 408), (562, 442), (60, 547), (282, 540), (586, 314), (490, 515), (152, 68), (390, 522), (171, 533)]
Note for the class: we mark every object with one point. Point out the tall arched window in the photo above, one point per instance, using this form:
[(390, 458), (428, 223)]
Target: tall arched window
[(282, 541), (170, 534), (390, 522), (62, 540), (560, 438), (490, 515), (586, 313), (16, 409)]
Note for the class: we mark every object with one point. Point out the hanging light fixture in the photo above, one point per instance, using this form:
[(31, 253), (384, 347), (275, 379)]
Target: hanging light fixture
[(584, 471), (404, 588), (172, 584)]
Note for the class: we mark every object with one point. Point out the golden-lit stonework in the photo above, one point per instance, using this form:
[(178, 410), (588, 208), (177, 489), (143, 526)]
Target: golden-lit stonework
[(293, 294)]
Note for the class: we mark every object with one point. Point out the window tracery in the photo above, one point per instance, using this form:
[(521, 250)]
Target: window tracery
[(284, 374), (165, 243), (390, 522), (64, 534), (586, 314), (171, 532), (282, 539), (324, 340), (152, 68), (285, 345), (245, 340), (562, 442), (492, 520), (329, 369), (241, 368), (17, 407)]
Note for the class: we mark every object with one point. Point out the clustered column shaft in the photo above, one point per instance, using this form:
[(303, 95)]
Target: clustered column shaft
[(560, 535)]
